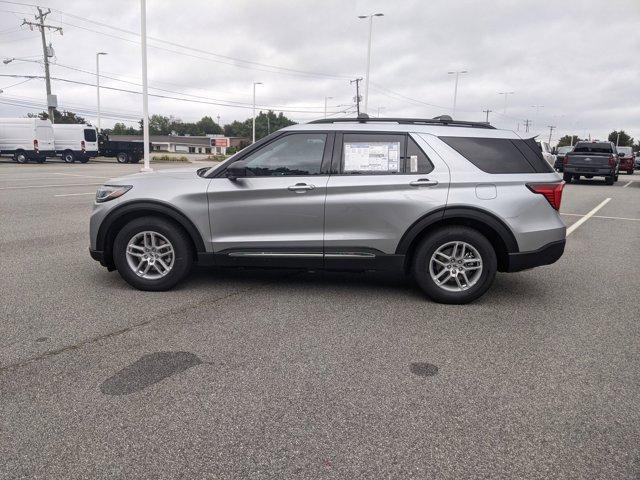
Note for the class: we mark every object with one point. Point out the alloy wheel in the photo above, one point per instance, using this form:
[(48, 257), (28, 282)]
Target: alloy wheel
[(455, 266), (150, 255)]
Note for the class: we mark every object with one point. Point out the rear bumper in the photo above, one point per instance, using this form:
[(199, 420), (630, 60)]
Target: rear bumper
[(595, 171), (546, 255)]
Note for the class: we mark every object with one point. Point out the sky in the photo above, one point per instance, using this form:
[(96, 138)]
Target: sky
[(577, 60)]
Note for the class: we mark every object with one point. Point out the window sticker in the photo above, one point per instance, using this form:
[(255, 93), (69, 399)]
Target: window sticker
[(372, 157)]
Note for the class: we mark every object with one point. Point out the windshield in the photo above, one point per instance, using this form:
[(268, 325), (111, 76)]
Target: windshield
[(564, 149), (625, 150), (593, 148)]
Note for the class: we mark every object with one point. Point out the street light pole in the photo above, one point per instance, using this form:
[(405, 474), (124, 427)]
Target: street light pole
[(537, 107), (325, 105), (506, 94), (98, 86), (455, 89), (254, 111), (366, 78), (145, 96)]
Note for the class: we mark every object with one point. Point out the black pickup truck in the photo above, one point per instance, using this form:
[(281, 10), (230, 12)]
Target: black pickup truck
[(592, 159), (124, 151)]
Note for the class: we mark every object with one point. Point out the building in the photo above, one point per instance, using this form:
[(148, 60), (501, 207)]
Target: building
[(208, 144)]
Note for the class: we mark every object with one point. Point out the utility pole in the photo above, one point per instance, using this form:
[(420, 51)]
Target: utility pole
[(325, 105), (98, 87), (455, 89), (617, 138), (506, 94), (487, 111), (145, 84), (537, 107), (253, 137), (218, 118), (551, 129), (527, 122), (366, 92), (357, 97), (52, 102)]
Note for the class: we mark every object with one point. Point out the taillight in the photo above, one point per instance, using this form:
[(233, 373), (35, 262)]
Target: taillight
[(565, 159), (82, 145), (35, 146), (551, 191), (612, 161)]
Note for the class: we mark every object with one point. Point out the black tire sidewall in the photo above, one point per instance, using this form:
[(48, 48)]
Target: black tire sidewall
[(71, 159), (174, 233), (126, 158), (450, 234)]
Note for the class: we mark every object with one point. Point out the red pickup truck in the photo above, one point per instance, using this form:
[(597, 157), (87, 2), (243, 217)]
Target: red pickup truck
[(626, 159)]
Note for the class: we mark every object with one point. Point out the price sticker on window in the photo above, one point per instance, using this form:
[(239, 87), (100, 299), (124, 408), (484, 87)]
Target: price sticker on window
[(378, 157)]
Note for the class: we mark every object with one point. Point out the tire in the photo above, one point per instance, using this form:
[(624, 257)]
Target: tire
[(615, 177), (68, 156), (181, 262), (608, 180), (21, 157), (122, 157), (84, 159), (444, 238), (629, 172), (567, 177), (135, 159), (41, 159)]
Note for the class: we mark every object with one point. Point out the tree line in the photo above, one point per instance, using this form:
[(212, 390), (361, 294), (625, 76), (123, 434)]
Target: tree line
[(266, 123)]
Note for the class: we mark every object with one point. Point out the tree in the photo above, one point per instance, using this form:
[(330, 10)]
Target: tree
[(121, 129), (624, 141), (60, 117), (207, 126), (266, 123), (160, 125), (568, 140)]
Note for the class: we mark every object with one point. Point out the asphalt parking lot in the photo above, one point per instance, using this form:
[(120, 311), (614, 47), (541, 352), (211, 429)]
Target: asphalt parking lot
[(259, 374)]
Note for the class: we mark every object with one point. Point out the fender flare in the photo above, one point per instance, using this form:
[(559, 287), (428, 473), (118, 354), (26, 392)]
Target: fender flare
[(470, 213), (148, 206)]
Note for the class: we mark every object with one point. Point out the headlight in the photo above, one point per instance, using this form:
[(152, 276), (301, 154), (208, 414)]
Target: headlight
[(109, 192)]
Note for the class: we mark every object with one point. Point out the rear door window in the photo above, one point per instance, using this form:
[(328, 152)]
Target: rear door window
[(500, 155), (372, 153), (90, 135), (593, 148)]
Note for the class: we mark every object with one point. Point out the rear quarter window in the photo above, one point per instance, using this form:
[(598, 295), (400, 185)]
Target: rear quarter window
[(89, 135), (500, 155)]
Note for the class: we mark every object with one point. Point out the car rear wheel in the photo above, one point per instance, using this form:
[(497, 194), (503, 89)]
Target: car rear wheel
[(608, 180), (567, 177), (21, 157), (455, 265), (68, 157), (152, 253), (122, 157), (84, 159)]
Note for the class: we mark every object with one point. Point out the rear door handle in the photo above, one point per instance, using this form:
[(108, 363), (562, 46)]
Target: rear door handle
[(300, 187), (423, 182)]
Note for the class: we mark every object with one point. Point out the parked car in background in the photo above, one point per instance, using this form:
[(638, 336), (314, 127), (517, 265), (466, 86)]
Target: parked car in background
[(344, 194), (547, 154), (75, 142), (560, 153), (637, 161), (26, 139), (592, 159), (124, 151), (627, 160)]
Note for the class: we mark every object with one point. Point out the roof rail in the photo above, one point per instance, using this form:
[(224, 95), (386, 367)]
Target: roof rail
[(441, 120)]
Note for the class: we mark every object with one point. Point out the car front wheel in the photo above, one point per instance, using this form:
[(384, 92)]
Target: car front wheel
[(152, 253), (455, 265)]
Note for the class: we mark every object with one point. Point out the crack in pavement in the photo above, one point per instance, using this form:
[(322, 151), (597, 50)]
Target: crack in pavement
[(154, 319)]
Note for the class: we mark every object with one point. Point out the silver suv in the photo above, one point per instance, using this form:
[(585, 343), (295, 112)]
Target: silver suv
[(449, 202)]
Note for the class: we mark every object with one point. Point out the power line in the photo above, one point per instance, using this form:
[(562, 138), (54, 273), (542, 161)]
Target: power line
[(287, 110)]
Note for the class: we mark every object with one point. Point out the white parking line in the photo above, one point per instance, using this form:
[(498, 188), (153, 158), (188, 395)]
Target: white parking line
[(50, 186), (573, 227), (602, 216), (74, 194), (77, 175), (627, 184)]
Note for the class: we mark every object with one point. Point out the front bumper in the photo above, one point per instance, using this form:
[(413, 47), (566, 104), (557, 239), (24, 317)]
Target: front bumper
[(545, 255)]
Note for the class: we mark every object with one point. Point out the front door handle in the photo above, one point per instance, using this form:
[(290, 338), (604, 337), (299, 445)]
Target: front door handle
[(423, 182), (301, 187)]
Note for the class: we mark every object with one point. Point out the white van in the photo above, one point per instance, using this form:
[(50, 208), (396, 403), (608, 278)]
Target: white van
[(547, 153), (26, 139), (76, 141)]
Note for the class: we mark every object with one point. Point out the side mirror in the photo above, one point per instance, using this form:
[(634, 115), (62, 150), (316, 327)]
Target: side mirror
[(236, 170)]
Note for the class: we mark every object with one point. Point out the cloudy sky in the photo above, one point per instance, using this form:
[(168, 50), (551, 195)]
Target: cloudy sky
[(577, 59)]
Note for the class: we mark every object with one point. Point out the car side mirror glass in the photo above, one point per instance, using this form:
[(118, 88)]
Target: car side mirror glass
[(236, 170)]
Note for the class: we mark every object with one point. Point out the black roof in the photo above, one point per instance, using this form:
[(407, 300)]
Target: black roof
[(443, 120)]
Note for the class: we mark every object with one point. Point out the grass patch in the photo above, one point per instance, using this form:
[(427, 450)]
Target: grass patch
[(169, 158)]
